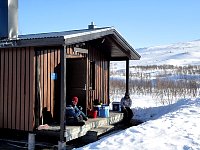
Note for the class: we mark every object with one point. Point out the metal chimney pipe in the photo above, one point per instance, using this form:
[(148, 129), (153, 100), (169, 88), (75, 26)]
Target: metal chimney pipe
[(91, 26), (8, 19)]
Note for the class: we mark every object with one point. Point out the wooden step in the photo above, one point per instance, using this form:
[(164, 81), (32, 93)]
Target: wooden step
[(93, 126), (92, 135), (100, 130)]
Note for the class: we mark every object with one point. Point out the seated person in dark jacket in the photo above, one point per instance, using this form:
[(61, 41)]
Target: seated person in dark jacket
[(126, 103), (74, 116), (47, 117)]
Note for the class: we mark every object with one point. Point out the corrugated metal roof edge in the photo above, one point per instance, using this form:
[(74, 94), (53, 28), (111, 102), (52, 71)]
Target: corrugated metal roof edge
[(114, 32), (81, 33), (58, 34)]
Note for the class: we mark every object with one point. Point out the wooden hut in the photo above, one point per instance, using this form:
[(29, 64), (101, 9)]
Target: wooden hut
[(47, 70)]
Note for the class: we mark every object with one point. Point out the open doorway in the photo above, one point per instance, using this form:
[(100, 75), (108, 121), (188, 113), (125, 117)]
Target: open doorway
[(76, 80)]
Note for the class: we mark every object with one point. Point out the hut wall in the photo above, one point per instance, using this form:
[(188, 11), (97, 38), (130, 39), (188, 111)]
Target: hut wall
[(100, 58), (48, 62), (17, 87), (101, 89), (48, 84), (18, 82)]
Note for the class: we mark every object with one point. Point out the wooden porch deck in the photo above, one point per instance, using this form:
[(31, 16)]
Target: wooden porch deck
[(93, 126)]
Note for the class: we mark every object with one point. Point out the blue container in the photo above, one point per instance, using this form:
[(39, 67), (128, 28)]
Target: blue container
[(104, 111), (97, 107), (116, 106)]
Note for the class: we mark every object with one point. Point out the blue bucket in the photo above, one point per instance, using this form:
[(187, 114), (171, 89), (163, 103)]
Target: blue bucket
[(104, 111)]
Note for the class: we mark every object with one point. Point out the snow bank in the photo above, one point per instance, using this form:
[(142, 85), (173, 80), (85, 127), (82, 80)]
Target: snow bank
[(169, 127)]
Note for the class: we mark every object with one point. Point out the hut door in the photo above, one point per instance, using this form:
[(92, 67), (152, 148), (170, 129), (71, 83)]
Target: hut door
[(76, 70)]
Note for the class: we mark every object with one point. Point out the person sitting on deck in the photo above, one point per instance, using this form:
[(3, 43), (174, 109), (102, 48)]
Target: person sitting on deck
[(74, 115), (46, 116), (126, 103)]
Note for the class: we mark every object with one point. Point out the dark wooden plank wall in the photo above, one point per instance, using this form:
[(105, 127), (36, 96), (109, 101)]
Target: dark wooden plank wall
[(17, 82), (101, 91), (48, 59), (49, 62), (100, 57), (70, 51), (17, 88)]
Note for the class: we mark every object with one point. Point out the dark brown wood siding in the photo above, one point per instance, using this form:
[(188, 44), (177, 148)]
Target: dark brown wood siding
[(48, 60), (19, 69), (100, 58), (17, 87), (101, 90)]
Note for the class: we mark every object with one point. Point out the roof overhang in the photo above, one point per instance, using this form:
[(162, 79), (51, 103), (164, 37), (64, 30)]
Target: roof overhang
[(119, 47)]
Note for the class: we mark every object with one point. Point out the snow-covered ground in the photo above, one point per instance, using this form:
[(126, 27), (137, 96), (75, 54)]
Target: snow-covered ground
[(171, 127), (165, 127)]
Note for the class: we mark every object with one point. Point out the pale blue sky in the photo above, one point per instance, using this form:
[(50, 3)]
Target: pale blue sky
[(142, 23)]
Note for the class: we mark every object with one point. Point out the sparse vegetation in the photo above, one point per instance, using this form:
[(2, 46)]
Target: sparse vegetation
[(165, 83)]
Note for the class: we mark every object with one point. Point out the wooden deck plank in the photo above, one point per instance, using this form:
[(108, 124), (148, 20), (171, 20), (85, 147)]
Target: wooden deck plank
[(73, 132)]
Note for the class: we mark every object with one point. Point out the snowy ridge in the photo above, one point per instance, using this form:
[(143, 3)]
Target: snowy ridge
[(175, 54), (179, 54)]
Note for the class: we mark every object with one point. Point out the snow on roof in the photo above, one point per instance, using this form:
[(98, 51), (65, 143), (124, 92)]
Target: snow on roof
[(71, 33), (121, 49)]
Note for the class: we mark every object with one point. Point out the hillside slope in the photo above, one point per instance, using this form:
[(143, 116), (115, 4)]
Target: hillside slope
[(178, 54)]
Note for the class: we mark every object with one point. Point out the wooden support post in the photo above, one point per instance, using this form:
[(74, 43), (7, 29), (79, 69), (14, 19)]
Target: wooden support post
[(37, 89), (62, 93), (61, 145), (127, 76), (31, 141)]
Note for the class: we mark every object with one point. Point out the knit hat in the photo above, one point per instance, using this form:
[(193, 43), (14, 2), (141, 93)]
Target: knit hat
[(127, 94), (75, 99)]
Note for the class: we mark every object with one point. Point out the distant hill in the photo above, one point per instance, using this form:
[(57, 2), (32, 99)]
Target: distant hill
[(178, 54), (166, 73)]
